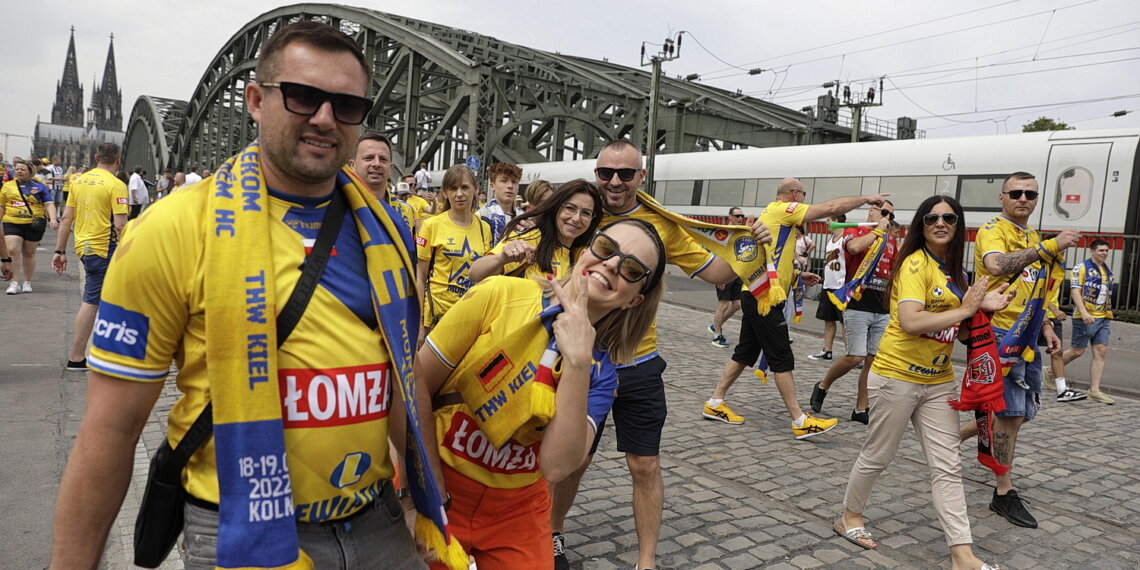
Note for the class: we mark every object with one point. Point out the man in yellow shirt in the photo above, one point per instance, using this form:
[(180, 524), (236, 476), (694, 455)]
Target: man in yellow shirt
[(97, 205), (1093, 284), (769, 333), (1007, 247)]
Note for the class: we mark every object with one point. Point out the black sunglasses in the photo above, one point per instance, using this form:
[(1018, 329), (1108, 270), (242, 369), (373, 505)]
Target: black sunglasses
[(888, 213), (738, 216), (630, 268), (951, 219), (1016, 194), (607, 174), (307, 100)]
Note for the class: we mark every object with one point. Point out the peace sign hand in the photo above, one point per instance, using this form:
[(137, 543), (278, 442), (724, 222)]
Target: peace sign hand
[(572, 328)]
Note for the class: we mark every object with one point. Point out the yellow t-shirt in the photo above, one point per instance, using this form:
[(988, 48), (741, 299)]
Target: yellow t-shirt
[(560, 260), (418, 204), (450, 249), (1002, 235), (16, 205), (96, 196), (923, 359), (1098, 309), (782, 219), (479, 324), (680, 250), (335, 376)]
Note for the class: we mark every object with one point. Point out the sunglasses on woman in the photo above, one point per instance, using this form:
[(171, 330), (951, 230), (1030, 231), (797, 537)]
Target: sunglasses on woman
[(307, 100), (630, 268), (950, 219)]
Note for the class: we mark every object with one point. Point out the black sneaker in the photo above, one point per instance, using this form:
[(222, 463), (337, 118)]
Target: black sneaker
[(80, 364), (821, 355), (1012, 508), (560, 562), (862, 417), (817, 396)]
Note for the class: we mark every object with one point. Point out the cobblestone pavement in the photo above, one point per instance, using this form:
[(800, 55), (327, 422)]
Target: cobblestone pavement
[(751, 496), (736, 497)]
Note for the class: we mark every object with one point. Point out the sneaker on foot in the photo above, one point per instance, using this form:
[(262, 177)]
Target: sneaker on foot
[(720, 342), (80, 364), (1013, 509), (1098, 396), (817, 396), (812, 427), (712, 330), (560, 562), (821, 355), (863, 417), (722, 413), (27, 288), (13, 288), (1071, 395)]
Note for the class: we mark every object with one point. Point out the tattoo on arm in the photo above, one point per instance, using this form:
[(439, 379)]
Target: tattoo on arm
[(1002, 452), (1015, 261)]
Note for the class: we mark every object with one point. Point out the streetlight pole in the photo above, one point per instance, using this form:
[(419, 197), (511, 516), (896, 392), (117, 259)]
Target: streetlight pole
[(670, 50)]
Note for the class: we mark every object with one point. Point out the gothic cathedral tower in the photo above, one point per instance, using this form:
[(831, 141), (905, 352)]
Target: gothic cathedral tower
[(68, 107), (106, 111)]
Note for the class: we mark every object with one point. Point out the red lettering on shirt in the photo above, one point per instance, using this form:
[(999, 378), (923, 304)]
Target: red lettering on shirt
[(465, 440), (792, 207), (121, 200), (334, 396)]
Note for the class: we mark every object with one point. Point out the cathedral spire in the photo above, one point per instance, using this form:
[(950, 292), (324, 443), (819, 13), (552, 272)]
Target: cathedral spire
[(68, 106), (107, 101)]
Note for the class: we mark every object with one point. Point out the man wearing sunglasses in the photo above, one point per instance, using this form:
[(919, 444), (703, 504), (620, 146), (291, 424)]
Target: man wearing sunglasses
[(1007, 247), (639, 408), (308, 101), (769, 333), (866, 318)]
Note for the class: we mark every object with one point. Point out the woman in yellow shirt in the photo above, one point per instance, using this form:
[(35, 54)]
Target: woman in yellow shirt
[(447, 244), (541, 242), (912, 377), (500, 510)]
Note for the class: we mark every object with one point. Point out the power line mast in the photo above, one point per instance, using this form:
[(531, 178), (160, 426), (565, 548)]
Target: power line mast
[(856, 101), (670, 50)]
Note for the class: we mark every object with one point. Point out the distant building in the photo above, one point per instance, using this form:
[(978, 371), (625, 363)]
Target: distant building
[(67, 135)]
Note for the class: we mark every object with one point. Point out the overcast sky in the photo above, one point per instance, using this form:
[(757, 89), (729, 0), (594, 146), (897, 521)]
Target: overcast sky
[(961, 68)]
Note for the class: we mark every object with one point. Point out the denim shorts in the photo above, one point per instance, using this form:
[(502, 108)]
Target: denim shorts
[(94, 269), (1022, 386), (1098, 332), (864, 331)]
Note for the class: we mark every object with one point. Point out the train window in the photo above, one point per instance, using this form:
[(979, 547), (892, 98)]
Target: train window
[(725, 192), (678, 192), (980, 192), (828, 188), (907, 192), (766, 190), (1074, 193)]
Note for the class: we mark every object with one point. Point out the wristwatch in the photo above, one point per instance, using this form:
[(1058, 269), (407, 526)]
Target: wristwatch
[(5, 260), (60, 252)]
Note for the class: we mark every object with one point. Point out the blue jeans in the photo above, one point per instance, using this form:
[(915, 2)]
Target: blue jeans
[(375, 537), (1098, 332), (1022, 385)]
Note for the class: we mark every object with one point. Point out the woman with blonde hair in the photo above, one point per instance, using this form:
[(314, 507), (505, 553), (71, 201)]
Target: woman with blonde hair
[(500, 510), (448, 243)]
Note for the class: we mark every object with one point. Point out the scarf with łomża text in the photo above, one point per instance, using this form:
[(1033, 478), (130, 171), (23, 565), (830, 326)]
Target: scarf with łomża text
[(249, 431), (510, 388), (853, 289), (750, 261)]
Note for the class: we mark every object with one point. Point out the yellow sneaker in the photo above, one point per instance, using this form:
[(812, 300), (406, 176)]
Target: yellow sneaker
[(722, 413), (813, 426), (1098, 396)]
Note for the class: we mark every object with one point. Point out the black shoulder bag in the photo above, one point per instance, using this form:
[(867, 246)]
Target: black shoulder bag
[(161, 513)]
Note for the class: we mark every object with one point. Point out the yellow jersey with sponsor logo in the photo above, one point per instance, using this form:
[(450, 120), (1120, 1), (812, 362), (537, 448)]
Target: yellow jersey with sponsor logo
[(1003, 235), (680, 250), (476, 325), (334, 374), (449, 250), (560, 261), (23, 201), (96, 196), (1100, 289), (782, 219), (922, 359)]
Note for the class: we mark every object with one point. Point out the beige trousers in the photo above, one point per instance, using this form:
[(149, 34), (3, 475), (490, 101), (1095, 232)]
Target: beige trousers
[(894, 403)]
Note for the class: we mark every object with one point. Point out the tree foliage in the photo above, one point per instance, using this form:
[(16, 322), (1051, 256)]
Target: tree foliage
[(1045, 124)]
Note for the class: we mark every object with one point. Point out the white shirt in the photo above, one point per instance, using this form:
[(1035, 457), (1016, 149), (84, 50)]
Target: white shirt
[(192, 177), (423, 178), (834, 263), (137, 189)]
